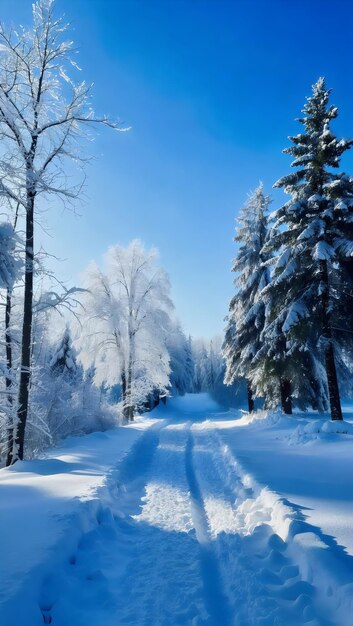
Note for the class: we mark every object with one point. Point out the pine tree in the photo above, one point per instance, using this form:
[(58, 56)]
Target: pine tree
[(189, 366), (285, 372), (247, 309), (314, 235), (63, 362), (181, 362)]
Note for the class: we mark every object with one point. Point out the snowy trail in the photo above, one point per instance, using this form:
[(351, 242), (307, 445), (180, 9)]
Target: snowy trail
[(189, 543), (188, 538), (215, 599)]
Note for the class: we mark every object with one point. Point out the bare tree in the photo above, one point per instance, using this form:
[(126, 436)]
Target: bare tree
[(43, 113)]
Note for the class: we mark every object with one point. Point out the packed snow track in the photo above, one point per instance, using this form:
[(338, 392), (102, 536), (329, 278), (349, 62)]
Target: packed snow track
[(188, 539)]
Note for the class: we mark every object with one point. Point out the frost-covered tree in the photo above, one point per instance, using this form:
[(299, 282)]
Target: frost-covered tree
[(213, 365), (314, 235), (63, 399), (10, 271), (42, 113), (246, 316), (63, 362), (208, 364), (199, 357), (181, 361), (64, 381), (128, 315), (283, 372), (10, 262)]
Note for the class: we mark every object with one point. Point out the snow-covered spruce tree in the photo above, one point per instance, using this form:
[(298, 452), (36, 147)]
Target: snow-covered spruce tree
[(189, 366), (213, 365), (10, 262), (246, 316), (181, 361), (314, 236), (283, 372), (63, 362), (65, 377), (42, 112), (199, 355), (128, 315)]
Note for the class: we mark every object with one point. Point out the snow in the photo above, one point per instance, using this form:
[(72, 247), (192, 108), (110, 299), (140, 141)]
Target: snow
[(296, 311), (10, 264), (323, 251), (309, 464), (41, 499), (194, 516)]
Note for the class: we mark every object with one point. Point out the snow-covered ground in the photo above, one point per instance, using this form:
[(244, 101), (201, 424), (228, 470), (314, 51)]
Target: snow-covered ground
[(197, 516)]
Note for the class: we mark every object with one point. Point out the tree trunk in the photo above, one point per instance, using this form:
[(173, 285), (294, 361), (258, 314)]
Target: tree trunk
[(251, 404), (334, 394), (131, 334), (8, 340), (25, 374), (156, 400), (124, 395), (129, 406), (330, 364), (286, 396)]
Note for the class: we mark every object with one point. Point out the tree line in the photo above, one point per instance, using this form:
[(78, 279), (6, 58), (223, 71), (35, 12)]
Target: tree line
[(122, 352), (289, 330)]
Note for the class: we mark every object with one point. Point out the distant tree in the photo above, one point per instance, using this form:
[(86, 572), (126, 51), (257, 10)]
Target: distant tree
[(128, 312), (42, 112), (199, 358), (246, 316), (189, 366), (181, 361), (63, 362), (315, 235)]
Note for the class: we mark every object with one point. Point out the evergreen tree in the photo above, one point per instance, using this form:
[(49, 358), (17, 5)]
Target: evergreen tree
[(285, 372), (204, 368), (63, 362), (247, 308), (189, 366), (314, 235), (181, 363)]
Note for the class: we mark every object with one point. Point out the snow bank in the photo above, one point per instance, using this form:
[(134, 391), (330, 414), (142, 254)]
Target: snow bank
[(292, 572), (48, 504), (264, 418), (322, 564), (326, 430)]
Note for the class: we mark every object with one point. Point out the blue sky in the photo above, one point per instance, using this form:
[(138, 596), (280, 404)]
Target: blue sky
[(211, 89)]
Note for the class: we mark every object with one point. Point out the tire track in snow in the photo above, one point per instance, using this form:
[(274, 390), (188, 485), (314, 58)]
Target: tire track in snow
[(263, 582), (216, 601), (161, 584)]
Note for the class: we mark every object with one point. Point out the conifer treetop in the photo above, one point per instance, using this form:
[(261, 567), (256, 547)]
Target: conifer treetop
[(316, 149)]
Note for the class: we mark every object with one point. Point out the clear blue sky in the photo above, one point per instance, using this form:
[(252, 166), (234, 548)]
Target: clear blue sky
[(211, 89)]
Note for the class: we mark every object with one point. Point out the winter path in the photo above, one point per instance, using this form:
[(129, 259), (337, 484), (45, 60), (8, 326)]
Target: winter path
[(179, 534)]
